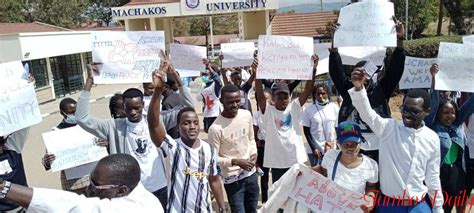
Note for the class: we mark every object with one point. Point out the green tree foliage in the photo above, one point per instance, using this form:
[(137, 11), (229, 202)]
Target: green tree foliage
[(199, 25), (100, 11), (428, 47), (420, 14), (13, 11), (460, 12), (64, 13)]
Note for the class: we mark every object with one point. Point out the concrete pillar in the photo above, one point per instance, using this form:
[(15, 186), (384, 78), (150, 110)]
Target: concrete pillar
[(50, 77), (152, 24), (268, 25), (240, 15), (127, 24)]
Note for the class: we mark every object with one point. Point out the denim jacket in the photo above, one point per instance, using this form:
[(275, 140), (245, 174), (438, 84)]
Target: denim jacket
[(449, 134)]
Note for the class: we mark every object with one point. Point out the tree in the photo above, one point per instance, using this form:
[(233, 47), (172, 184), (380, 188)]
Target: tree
[(420, 14), (101, 11), (457, 9), (440, 17)]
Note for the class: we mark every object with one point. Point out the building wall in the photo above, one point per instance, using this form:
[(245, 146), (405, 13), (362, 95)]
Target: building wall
[(254, 24)]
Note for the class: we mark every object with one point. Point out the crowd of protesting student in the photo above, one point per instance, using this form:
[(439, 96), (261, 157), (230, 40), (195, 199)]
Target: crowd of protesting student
[(158, 163)]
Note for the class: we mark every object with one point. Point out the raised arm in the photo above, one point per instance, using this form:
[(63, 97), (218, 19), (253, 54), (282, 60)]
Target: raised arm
[(308, 88), (465, 111), (157, 130), (336, 70), (431, 117), (248, 84), (169, 117), (359, 98), (95, 126), (261, 100)]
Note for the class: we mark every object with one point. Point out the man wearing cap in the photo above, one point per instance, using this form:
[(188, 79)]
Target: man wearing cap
[(347, 167), (283, 136)]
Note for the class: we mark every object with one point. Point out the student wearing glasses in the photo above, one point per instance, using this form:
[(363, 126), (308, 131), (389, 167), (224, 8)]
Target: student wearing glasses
[(409, 162), (114, 187), (446, 120)]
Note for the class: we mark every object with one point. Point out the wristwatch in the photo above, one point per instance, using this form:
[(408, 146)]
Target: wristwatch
[(5, 189)]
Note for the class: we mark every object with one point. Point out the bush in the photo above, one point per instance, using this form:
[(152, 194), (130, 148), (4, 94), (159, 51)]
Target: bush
[(428, 47)]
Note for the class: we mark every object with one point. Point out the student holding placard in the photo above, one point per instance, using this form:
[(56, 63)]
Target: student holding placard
[(130, 135), (379, 92), (283, 136), (11, 164), (210, 95), (67, 108), (446, 119), (236, 78)]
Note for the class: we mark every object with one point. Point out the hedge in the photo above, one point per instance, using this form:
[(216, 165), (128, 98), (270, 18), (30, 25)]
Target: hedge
[(428, 47)]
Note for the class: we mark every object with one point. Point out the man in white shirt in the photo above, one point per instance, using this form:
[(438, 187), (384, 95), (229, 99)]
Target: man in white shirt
[(283, 136), (115, 187), (409, 160)]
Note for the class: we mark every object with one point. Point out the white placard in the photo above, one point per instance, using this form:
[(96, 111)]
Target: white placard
[(80, 171), (187, 59), (366, 24), (416, 73), (322, 195), (456, 67), (468, 39), (285, 57), (72, 147), (370, 68), (322, 50), (19, 106), (352, 55), (237, 54), (127, 57)]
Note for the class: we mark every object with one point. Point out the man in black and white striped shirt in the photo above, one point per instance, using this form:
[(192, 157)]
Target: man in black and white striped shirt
[(191, 164)]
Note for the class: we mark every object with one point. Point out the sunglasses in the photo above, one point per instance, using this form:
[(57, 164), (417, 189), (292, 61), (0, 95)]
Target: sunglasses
[(412, 111), (101, 187)]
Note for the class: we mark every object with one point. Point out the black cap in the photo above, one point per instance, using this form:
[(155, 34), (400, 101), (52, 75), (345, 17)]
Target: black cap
[(280, 87)]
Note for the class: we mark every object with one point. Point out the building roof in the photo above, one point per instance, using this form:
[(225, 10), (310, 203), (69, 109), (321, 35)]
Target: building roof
[(12, 28), (301, 24), (201, 40), (139, 2)]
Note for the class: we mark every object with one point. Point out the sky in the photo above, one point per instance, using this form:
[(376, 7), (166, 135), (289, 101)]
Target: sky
[(286, 3)]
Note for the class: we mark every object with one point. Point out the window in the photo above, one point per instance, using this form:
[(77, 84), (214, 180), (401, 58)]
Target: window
[(39, 71)]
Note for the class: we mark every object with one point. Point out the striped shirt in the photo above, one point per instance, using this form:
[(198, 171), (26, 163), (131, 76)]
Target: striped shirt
[(188, 175)]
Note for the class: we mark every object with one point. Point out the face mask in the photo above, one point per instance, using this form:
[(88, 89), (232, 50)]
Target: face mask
[(324, 102), (70, 119), (205, 79)]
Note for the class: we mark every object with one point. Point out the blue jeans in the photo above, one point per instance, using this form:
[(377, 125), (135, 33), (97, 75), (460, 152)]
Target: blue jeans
[(313, 161), (243, 194), (391, 206)]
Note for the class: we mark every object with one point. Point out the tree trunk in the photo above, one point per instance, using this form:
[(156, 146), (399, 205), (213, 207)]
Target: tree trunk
[(455, 12), (440, 18)]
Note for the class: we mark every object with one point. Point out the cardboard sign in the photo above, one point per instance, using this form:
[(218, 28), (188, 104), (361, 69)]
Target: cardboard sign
[(237, 54), (456, 67), (72, 147), (322, 195), (187, 59), (468, 39), (126, 57), (366, 24), (352, 55), (285, 57), (19, 106), (321, 49), (416, 73)]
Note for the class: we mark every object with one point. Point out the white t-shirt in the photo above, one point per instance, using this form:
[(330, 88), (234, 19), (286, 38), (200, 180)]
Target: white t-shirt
[(189, 170), (146, 153), (212, 104), (284, 144), (322, 121), (470, 136), (352, 179), (258, 121)]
